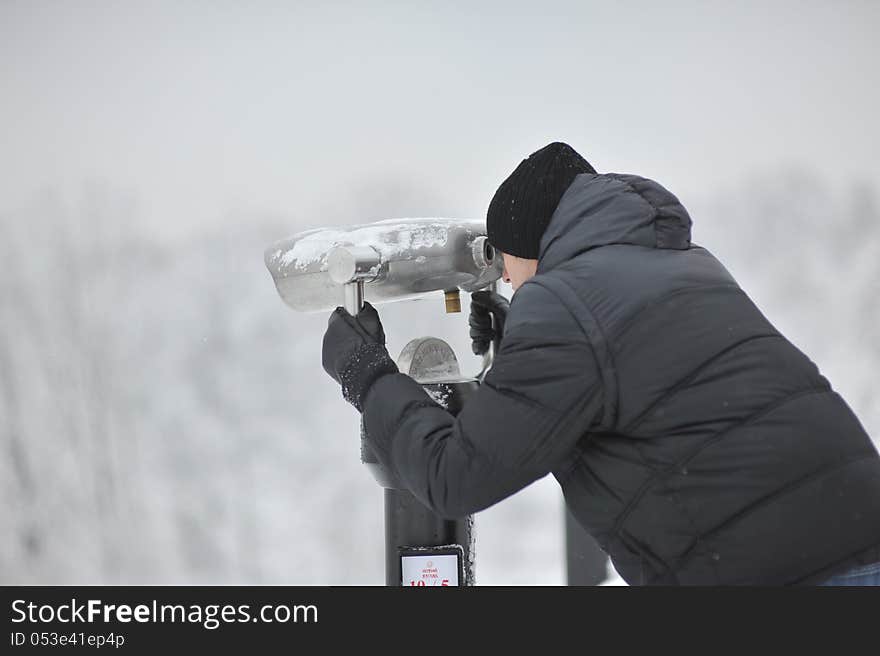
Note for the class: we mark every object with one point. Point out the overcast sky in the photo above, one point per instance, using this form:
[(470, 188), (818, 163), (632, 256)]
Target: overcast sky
[(325, 111)]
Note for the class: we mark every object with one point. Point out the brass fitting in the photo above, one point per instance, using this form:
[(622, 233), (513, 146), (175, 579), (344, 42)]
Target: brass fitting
[(453, 300)]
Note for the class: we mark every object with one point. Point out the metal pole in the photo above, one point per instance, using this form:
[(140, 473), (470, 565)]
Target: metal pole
[(408, 523), (351, 267), (354, 297), (410, 527)]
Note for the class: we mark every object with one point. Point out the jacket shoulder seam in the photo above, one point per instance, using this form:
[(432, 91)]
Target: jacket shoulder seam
[(605, 364)]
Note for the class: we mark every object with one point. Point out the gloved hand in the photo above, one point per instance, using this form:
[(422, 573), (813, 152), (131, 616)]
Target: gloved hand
[(484, 306), (354, 352)]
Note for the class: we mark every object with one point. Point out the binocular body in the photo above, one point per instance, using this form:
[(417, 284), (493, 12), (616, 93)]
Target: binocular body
[(395, 260)]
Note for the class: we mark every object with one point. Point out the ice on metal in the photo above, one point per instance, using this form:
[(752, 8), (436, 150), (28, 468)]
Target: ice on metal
[(417, 256), (390, 238)]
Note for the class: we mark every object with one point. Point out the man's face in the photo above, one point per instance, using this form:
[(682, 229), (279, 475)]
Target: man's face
[(517, 270)]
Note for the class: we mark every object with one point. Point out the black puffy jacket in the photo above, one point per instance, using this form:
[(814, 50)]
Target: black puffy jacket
[(690, 438)]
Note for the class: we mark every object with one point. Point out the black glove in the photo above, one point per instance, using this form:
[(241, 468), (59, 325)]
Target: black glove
[(484, 306), (354, 352)]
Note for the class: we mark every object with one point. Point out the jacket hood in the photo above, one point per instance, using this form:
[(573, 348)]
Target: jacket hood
[(612, 208)]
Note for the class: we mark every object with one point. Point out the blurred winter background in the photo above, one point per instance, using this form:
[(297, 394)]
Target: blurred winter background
[(164, 418)]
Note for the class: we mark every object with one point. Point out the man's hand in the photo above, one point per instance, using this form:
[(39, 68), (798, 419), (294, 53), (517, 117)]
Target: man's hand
[(484, 306), (354, 352)]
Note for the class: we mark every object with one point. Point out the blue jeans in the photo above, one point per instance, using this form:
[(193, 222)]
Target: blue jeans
[(864, 575)]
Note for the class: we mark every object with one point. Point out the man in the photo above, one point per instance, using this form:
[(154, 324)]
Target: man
[(691, 439)]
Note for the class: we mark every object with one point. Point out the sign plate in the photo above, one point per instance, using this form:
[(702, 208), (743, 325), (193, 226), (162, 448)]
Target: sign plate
[(430, 566)]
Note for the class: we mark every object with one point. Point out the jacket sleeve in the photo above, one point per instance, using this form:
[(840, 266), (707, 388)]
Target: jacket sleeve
[(541, 396)]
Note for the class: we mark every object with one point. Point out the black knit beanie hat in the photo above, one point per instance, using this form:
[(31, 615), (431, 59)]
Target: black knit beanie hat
[(520, 211)]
